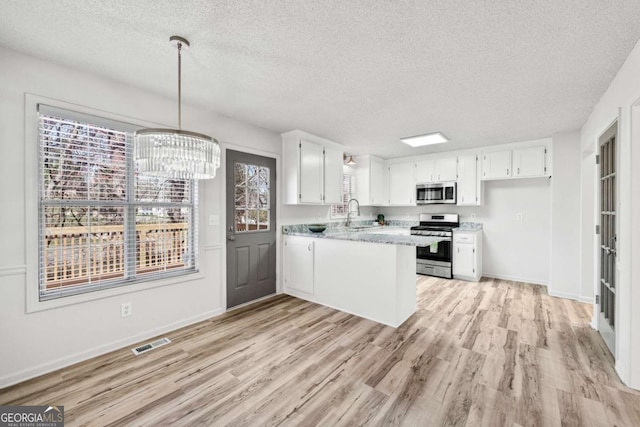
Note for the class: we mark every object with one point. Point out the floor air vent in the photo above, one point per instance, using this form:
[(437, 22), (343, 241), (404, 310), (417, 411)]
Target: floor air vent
[(150, 346)]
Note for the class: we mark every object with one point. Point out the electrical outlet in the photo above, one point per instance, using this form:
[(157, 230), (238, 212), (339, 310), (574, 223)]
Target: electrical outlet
[(473, 216), (125, 309), (519, 216)]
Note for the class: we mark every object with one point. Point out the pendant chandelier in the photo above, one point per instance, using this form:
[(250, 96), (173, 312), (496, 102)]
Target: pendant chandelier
[(176, 153)]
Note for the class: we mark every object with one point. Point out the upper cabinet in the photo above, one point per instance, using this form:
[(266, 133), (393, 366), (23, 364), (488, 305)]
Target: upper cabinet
[(522, 160), (312, 169), (530, 161), (469, 185), (402, 187), (436, 170), (372, 183), (496, 164), (332, 175)]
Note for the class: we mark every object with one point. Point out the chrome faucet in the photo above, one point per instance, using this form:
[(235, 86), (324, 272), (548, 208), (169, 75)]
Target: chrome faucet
[(349, 210)]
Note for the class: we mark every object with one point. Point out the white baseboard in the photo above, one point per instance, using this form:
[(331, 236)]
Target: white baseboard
[(515, 278), (588, 300), (45, 368), (566, 295)]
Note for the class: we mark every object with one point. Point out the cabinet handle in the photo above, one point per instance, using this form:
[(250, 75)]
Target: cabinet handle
[(309, 247), (507, 171), (518, 173)]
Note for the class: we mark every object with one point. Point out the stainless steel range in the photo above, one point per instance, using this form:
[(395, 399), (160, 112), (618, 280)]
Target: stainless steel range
[(436, 259)]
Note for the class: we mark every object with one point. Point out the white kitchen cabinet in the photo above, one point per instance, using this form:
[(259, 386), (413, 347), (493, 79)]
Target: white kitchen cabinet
[(436, 170), (469, 184), (467, 255), (496, 164), (299, 263), (312, 169), (425, 171), (332, 175), (446, 169), (372, 185), (530, 162), (402, 186), (311, 172)]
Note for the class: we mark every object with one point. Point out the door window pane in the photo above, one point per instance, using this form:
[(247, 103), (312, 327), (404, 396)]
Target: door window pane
[(252, 192)]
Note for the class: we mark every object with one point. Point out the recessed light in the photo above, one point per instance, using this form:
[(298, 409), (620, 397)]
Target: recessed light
[(428, 139)]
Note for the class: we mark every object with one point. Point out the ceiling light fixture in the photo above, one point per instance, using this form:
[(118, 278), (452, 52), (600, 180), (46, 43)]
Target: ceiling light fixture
[(428, 139), (177, 153), (348, 160)]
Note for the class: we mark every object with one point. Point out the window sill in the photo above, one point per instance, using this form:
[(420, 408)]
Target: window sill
[(34, 304)]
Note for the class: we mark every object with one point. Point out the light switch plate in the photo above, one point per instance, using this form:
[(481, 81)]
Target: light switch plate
[(214, 219), (519, 216)]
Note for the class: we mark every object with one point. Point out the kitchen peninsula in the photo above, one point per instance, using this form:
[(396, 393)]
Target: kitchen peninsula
[(370, 273)]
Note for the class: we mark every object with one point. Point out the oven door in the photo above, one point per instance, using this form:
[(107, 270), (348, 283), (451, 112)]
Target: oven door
[(443, 253)]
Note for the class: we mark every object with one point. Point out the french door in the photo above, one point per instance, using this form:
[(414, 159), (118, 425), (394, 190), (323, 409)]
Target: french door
[(608, 239)]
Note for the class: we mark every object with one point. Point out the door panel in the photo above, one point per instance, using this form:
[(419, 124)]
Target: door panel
[(251, 237), (263, 261), (242, 267), (311, 172)]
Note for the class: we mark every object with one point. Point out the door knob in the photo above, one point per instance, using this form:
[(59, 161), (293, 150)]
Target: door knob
[(231, 238)]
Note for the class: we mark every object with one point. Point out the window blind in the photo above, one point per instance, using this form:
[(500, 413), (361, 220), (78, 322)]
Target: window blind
[(341, 210), (101, 224)]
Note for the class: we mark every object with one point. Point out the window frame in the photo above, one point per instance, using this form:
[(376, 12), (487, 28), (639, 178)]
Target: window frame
[(32, 217)]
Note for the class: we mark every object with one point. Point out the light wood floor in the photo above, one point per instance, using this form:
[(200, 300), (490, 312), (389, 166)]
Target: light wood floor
[(495, 353)]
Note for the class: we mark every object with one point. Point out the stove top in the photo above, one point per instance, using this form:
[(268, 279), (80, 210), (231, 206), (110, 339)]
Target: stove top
[(436, 225)]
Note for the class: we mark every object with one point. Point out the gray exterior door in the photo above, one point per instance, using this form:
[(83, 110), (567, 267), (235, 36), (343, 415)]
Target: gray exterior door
[(251, 222)]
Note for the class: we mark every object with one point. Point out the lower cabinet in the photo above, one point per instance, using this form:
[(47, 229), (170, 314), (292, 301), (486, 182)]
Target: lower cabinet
[(467, 255), (298, 263)]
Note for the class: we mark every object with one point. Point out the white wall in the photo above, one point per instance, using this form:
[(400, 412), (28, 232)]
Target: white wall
[(512, 249), (42, 341), (617, 102), (565, 219)]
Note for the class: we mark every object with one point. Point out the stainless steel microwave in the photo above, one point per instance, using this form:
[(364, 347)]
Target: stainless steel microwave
[(436, 193)]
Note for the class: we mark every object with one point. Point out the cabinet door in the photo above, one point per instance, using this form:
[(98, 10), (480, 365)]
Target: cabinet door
[(530, 161), (298, 263), (425, 171), (496, 164), (446, 169), (311, 172), (379, 183), (464, 260), (332, 176), (467, 180), (401, 184)]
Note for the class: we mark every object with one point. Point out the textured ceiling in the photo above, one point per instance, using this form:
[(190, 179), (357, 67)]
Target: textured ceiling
[(363, 73)]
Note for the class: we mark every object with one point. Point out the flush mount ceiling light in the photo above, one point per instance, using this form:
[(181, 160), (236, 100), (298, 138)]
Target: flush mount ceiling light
[(428, 139), (177, 153), (348, 160)]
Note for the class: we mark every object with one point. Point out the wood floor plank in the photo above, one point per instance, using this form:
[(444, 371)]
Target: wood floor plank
[(492, 353)]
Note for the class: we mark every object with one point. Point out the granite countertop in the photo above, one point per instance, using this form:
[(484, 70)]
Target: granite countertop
[(469, 226), (391, 235)]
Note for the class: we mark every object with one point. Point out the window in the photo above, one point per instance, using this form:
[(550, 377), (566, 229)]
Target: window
[(101, 224), (348, 189), (251, 197)]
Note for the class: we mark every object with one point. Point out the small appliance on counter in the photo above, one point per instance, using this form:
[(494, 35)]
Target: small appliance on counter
[(436, 259)]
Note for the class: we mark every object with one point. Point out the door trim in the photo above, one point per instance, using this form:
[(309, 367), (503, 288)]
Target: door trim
[(597, 267), (224, 146)]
